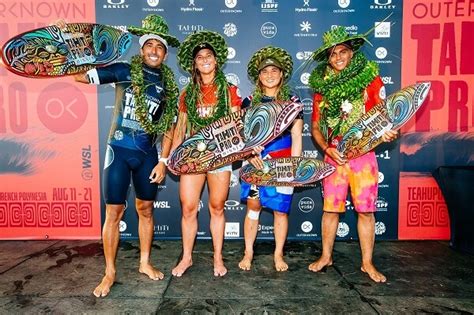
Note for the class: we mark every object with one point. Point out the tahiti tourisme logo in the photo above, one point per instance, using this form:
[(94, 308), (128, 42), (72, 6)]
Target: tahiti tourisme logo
[(380, 228)]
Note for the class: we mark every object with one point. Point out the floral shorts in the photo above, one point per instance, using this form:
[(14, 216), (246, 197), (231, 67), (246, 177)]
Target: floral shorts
[(361, 175)]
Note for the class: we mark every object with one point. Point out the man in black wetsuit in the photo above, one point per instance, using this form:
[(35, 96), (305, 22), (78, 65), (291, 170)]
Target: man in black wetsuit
[(145, 107)]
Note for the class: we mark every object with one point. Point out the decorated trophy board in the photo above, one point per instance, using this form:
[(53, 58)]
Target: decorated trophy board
[(391, 114), (289, 171), (52, 52), (232, 137)]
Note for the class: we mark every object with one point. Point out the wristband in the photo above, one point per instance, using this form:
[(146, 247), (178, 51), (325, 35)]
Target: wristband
[(164, 160)]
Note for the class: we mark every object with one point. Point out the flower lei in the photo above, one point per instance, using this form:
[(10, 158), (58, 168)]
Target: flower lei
[(171, 97), (193, 92), (336, 89), (283, 94)]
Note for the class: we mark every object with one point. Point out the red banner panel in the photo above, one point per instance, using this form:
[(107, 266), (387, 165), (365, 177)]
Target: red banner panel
[(49, 159), (422, 210)]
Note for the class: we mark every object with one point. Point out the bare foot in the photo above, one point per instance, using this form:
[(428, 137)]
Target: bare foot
[(320, 264), (280, 264), (181, 268), (104, 287), (150, 271), (246, 262), (219, 269), (373, 273)]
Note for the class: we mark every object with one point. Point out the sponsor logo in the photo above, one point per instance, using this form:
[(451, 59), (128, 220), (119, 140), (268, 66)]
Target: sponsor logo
[(381, 52), (122, 226), (86, 154), (201, 205), (115, 4), (232, 229), (349, 206), (306, 131), (161, 205), (382, 4), (230, 29), (305, 28), (187, 29), (153, 6), (230, 4), (269, 6), (231, 53), (303, 55), (381, 204), (342, 229), (233, 205), (307, 106), (380, 228), (381, 177), (268, 30), (310, 154), (306, 204), (234, 180), (304, 78), (351, 29), (344, 7), (183, 80), (233, 78), (306, 226), (161, 229), (265, 229), (387, 80), (307, 8), (382, 30), (191, 7), (343, 3)]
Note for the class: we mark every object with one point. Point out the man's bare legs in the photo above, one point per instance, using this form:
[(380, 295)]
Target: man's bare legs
[(145, 233), (190, 189), (280, 223), (329, 224), (110, 240), (366, 230), (218, 184), (250, 233)]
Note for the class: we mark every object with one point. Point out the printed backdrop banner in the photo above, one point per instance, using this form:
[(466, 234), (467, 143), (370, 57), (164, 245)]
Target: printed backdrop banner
[(49, 170), (435, 47), (247, 26), (438, 45)]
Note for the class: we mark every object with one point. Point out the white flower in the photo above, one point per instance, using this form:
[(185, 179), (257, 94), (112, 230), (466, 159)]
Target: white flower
[(346, 107)]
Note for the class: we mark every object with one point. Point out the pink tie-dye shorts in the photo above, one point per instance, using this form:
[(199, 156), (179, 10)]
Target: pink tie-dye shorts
[(361, 174)]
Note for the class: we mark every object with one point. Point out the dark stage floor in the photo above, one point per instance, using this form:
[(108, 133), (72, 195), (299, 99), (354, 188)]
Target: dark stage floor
[(59, 276)]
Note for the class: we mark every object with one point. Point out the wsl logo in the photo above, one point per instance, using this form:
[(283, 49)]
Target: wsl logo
[(86, 155)]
